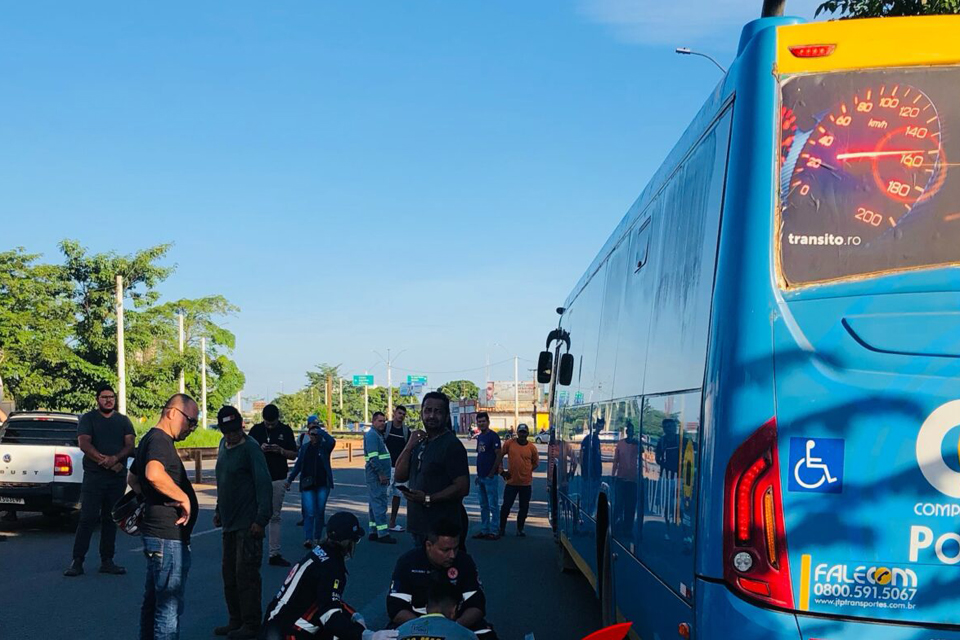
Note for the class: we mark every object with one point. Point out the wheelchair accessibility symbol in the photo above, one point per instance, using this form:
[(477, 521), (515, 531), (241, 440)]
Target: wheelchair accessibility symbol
[(816, 465)]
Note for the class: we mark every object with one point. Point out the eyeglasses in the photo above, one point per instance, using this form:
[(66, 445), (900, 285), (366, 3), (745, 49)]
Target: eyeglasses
[(102, 397), (192, 422)]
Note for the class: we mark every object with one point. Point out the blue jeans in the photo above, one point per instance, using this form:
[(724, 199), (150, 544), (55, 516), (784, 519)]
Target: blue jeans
[(489, 503), (168, 562), (314, 503)]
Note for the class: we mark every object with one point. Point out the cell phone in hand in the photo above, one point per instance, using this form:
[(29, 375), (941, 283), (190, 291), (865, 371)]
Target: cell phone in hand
[(402, 487)]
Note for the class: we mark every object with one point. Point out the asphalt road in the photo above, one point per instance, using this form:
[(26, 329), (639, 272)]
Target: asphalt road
[(525, 591)]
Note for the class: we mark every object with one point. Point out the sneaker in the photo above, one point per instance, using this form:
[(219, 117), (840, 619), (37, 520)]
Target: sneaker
[(480, 536), (309, 544), (493, 536), (385, 540), (245, 632), (109, 566), (521, 534), (75, 569), (226, 629), (397, 528), (276, 561)]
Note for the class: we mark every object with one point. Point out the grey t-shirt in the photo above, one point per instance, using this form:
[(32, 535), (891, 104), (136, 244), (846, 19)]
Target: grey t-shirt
[(106, 434), (434, 626)]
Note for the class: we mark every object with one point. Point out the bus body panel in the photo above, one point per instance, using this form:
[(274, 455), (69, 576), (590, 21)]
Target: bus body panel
[(652, 607), (720, 615)]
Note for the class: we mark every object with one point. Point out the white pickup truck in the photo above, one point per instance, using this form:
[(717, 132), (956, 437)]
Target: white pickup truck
[(41, 466)]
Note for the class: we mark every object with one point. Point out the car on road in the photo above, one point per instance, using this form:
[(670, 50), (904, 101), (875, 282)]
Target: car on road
[(40, 462), (543, 437)]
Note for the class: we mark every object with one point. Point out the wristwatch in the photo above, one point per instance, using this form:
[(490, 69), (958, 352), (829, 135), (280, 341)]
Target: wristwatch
[(426, 500)]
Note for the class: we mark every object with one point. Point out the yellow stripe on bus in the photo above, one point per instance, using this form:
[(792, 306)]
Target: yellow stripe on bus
[(871, 43), (805, 582)]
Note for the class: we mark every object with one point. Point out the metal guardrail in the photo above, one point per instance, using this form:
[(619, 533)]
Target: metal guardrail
[(199, 454)]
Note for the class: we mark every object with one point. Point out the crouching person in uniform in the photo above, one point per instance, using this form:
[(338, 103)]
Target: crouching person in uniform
[(309, 603), (439, 560)]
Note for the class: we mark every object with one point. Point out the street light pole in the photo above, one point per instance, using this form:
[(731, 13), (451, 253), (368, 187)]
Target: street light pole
[(686, 51), (180, 331), (203, 381), (121, 357), (389, 388), (366, 402), (516, 391)]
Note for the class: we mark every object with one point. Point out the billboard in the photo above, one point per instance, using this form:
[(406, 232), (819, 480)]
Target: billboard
[(503, 392)]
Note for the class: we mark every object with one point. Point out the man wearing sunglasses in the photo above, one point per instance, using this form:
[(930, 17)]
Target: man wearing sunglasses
[(106, 438), (171, 511)]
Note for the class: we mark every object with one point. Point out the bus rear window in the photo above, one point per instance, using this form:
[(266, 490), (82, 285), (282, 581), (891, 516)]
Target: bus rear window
[(869, 180)]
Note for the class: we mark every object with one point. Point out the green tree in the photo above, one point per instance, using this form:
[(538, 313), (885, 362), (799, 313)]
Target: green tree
[(887, 8), (461, 389), (35, 318), (58, 331)]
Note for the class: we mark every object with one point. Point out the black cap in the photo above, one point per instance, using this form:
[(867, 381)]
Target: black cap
[(229, 419), (343, 526)]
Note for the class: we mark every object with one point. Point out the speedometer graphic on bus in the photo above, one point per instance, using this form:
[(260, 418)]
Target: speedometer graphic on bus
[(868, 162)]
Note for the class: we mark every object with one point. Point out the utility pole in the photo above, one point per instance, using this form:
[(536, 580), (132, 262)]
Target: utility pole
[(341, 402), (203, 382), (516, 391), (121, 357), (389, 388), (366, 402), (329, 395), (180, 325)]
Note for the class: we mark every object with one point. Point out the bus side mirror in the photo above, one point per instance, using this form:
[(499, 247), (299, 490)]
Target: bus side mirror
[(566, 369), (545, 367)]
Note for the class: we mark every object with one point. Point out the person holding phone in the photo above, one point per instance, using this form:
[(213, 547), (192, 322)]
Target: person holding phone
[(279, 446), (316, 481)]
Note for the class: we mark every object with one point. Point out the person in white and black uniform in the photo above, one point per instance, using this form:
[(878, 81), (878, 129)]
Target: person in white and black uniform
[(439, 559), (309, 603)]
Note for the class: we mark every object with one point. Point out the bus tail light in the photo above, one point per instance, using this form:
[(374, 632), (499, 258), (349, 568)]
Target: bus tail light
[(754, 538), (62, 465), (812, 50)]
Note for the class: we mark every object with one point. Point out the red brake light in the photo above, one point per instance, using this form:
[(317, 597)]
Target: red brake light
[(62, 465), (754, 537), (812, 50)]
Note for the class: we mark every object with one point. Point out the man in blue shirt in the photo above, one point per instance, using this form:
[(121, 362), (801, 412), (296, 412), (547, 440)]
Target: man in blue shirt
[(488, 482)]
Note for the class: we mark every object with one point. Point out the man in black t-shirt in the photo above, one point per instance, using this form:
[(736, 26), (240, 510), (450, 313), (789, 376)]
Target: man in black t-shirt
[(106, 438), (435, 464), (278, 446), (396, 437), (169, 516)]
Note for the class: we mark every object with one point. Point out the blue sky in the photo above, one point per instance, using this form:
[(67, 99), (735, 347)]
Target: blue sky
[(429, 176)]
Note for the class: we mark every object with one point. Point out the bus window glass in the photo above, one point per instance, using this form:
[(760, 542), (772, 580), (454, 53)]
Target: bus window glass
[(689, 232), (617, 271), (584, 344), (625, 471), (576, 421), (670, 441), (868, 182)]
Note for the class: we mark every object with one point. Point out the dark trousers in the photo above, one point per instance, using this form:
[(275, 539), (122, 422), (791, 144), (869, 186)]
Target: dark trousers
[(242, 557), (624, 506), (510, 493), (98, 494)]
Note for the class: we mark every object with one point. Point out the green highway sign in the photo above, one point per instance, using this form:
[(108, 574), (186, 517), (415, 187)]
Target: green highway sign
[(363, 381), (416, 379)]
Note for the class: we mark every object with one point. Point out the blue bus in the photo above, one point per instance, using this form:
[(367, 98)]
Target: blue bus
[(757, 400)]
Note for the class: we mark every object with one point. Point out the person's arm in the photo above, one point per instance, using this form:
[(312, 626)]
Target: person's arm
[(85, 441), (264, 489), (162, 482), (499, 460), (458, 468), (133, 481), (474, 606), (400, 598), (331, 616), (297, 465), (289, 448), (401, 473), (535, 459)]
